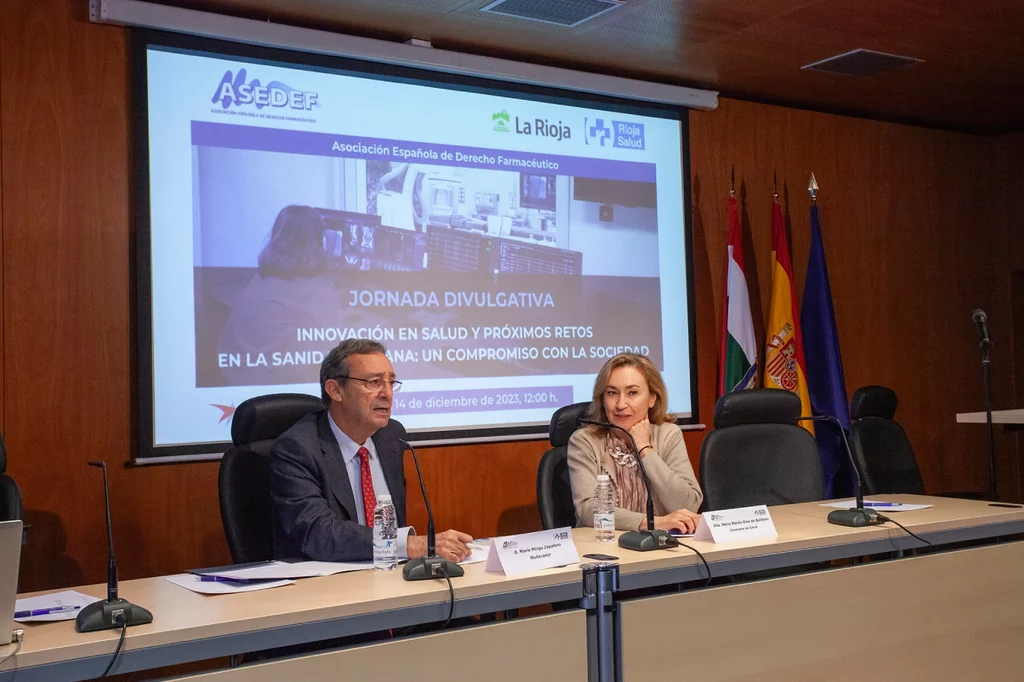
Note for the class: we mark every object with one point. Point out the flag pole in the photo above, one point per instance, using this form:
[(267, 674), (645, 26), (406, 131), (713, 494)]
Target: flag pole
[(813, 189)]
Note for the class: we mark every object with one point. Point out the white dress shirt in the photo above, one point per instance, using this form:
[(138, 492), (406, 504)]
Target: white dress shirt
[(350, 453)]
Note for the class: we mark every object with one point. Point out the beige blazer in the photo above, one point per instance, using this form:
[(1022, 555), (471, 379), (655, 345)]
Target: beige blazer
[(673, 484)]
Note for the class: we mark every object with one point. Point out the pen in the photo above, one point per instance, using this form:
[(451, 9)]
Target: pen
[(236, 581), (45, 612), (883, 504)]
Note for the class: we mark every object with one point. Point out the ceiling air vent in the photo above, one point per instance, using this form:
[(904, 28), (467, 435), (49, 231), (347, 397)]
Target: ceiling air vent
[(567, 13), (862, 63)]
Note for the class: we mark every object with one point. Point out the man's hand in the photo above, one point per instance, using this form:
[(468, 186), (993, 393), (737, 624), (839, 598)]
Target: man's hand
[(416, 546), (451, 545)]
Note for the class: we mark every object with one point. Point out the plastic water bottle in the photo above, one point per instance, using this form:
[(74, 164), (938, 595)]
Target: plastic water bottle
[(385, 535), (604, 509)]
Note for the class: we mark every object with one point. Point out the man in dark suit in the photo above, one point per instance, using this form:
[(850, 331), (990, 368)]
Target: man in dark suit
[(327, 471)]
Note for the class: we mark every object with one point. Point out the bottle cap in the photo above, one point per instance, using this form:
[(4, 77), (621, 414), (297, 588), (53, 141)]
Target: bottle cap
[(381, 499), (603, 478)]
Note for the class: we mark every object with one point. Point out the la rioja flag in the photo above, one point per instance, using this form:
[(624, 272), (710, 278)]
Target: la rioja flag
[(737, 367)]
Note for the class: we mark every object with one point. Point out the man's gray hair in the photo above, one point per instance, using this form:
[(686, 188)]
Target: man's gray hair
[(336, 366)]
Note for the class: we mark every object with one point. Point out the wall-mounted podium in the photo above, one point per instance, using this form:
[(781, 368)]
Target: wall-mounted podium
[(1012, 419)]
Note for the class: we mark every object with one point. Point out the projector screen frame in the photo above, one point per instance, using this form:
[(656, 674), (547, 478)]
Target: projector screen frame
[(143, 385)]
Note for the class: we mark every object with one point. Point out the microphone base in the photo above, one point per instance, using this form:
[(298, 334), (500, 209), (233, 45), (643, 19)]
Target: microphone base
[(854, 518), (431, 568), (647, 540), (111, 615)]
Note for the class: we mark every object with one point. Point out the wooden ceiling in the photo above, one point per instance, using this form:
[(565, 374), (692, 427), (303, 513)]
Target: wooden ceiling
[(971, 79)]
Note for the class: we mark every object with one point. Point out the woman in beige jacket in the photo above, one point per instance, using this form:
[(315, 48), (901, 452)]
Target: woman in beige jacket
[(629, 392)]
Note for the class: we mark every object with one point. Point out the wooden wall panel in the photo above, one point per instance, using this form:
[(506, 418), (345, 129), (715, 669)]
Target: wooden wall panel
[(67, 302), (1010, 350), (915, 232), (1, 252), (916, 228), (1012, 148), (483, 490)]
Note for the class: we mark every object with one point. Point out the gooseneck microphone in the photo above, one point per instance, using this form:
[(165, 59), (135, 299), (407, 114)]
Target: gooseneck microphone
[(858, 516), (114, 612), (981, 322), (430, 566), (639, 540)]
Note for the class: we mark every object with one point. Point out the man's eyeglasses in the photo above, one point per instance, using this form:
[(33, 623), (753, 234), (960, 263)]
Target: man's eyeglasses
[(376, 383)]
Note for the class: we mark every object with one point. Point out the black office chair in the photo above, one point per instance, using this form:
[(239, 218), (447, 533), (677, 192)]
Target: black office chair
[(554, 492), (10, 493), (757, 454), (244, 480), (880, 445)]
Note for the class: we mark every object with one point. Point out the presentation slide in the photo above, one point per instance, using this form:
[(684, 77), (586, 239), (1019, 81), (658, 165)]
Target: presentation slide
[(501, 247)]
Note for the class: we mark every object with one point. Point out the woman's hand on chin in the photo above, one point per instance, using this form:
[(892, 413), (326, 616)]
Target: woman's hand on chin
[(641, 432)]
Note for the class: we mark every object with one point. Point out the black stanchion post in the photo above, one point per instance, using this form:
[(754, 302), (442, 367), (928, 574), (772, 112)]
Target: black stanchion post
[(604, 638)]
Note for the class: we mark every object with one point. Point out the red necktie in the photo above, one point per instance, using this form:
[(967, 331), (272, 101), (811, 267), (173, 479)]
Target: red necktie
[(366, 482)]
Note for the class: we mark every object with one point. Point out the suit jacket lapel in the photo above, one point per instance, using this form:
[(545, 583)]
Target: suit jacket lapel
[(334, 466)]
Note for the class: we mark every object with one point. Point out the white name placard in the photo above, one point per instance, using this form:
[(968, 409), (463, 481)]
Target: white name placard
[(730, 525), (515, 554)]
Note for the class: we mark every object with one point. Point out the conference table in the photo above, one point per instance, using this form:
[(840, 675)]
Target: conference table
[(791, 607)]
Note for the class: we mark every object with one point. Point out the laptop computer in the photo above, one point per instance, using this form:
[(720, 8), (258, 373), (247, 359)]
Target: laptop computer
[(10, 557)]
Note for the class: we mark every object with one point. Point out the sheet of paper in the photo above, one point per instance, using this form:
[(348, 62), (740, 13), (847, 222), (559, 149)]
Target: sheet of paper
[(335, 567), (67, 598), (481, 548), (280, 570), (196, 584), (877, 505)]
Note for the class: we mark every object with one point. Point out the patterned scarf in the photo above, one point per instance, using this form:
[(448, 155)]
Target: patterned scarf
[(629, 493)]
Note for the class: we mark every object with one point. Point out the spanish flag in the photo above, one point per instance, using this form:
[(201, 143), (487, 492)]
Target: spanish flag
[(784, 364)]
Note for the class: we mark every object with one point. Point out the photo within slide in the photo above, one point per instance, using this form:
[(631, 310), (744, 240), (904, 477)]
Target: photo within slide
[(461, 271)]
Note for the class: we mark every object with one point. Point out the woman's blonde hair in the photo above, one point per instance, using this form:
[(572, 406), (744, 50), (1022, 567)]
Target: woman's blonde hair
[(658, 414)]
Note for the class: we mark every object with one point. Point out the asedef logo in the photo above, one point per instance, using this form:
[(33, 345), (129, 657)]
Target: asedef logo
[(234, 91)]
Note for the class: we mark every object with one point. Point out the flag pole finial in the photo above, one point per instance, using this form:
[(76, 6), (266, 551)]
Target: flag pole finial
[(732, 183), (813, 189), (775, 186)]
